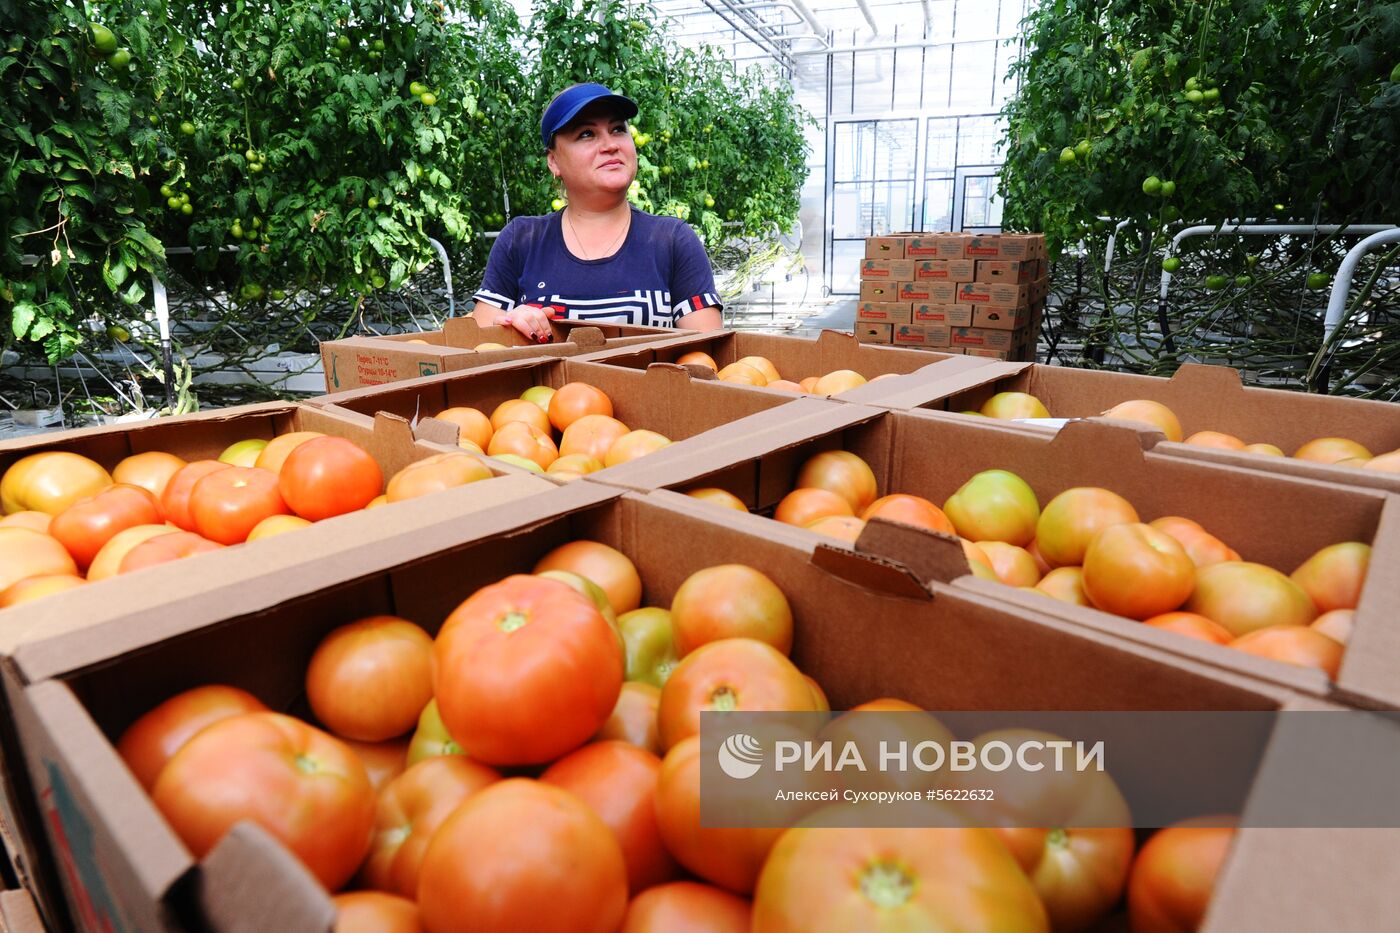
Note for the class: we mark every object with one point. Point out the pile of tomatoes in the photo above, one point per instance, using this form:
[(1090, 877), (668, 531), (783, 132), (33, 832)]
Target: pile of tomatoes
[(1330, 450), (1088, 546), (760, 371), (68, 521), (536, 766), (566, 432)]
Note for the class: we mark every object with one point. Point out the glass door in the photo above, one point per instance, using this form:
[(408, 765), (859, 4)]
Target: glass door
[(976, 200)]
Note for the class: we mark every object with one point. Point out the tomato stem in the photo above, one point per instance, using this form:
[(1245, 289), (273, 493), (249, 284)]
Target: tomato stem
[(724, 700), (306, 764), (886, 885), (1058, 839), (512, 621)]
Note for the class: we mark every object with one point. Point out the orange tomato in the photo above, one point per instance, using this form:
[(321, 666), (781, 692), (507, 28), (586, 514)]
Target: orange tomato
[(108, 561), (34, 521), (911, 510), (275, 525), (1268, 450), (1387, 463), (618, 782), (227, 504), (809, 384), (151, 741), (785, 385), (275, 453), (841, 527), (523, 855), (1137, 571), (721, 497), (592, 436), (524, 440), (1153, 413), (575, 464), (995, 505), (472, 424), (742, 374), (834, 383), (526, 670), (86, 525), (1242, 597), (730, 857), (518, 409), (1071, 520), (1331, 450), (1014, 405), (688, 906), (1065, 584), (950, 878), (1013, 565), (369, 680), (819, 697), (161, 549), (150, 470), (32, 588), (329, 476), (383, 761), (1200, 545), (635, 444), (25, 553), (843, 473), (1334, 576), (801, 507), (175, 501), (731, 674), (50, 482), (1293, 644), (697, 358), (434, 474), (1034, 551), (374, 912), (1079, 873), (412, 807), (1215, 439), (633, 719), (1173, 877), (303, 786), (1192, 625), (730, 601), (608, 567), (574, 400), (763, 365), (1336, 624)]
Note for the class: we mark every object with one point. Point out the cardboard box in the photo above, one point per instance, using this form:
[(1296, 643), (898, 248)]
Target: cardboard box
[(877, 291), (1001, 295), (932, 454), (930, 292), (890, 270), (951, 315), (999, 318), (864, 628), (366, 361), (938, 270), (1018, 247), (983, 338), (884, 247), (18, 913), (887, 312), (941, 246), (797, 358), (1008, 272), (873, 333), (921, 335)]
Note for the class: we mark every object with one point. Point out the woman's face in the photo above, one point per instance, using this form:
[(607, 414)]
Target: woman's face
[(594, 153)]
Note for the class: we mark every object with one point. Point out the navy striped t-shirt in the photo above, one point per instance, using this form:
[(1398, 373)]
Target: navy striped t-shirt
[(659, 275)]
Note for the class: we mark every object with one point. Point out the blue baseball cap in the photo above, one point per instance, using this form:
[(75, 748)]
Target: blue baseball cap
[(568, 104)]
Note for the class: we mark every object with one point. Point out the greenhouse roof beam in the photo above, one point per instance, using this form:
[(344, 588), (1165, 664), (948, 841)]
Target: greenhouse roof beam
[(746, 24), (909, 44)]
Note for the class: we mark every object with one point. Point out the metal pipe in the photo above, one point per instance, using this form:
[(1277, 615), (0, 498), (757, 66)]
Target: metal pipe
[(869, 15), (1112, 243), (446, 276), (806, 13), (1341, 285), (911, 44)]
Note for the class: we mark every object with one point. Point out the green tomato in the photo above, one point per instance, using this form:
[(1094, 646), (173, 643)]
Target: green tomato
[(342, 43), (372, 203), (102, 39), (1251, 260), (166, 191), (1318, 280), (173, 203), (1171, 264), (257, 223), (557, 204), (666, 169), (118, 333), (1083, 149), (251, 291), (1395, 74), (255, 167), (1192, 84), (1280, 208), (187, 127), (1168, 188), (378, 45), (649, 644), (236, 231), (708, 129), (251, 155), (1066, 155), (238, 84), (428, 98), (187, 208), (1195, 97), (278, 294), (1152, 185), (1216, 282), (120, 59), (709, 201), (155, 120), (704, 163), (1211, 95), (378, 280), (1170, 213), (1243, 280), (417, 89)]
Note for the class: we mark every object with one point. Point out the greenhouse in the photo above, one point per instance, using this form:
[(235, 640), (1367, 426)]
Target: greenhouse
[(711, 465)]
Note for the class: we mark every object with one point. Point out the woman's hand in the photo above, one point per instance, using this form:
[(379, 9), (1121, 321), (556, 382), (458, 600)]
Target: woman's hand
[(530, 320)]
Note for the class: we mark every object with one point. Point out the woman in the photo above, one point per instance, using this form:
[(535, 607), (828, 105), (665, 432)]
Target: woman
[(599, 259)]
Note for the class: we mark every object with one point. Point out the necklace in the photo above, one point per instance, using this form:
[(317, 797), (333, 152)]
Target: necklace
[(579, 240)]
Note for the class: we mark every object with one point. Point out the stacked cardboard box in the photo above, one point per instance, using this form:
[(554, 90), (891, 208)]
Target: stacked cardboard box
[(976, 295)]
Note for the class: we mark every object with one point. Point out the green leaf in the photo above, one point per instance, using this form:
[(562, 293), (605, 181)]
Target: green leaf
[(22, 317)]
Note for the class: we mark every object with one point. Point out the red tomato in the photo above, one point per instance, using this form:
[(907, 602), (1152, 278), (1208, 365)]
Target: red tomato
[(1294, 644), (410, 810), (730, 601), (108, 562), (1174, 876), (175, 501), (32, 588), (592, 436), (870, 879), (275, 453), (1334, 576), (633, 719), (731, 674), (1071, 520), (522, 855), (575, 400), (25, 553), (608, 567), (150, 470), (688, 906), (300, 784), (801, 507), (1079, 874), (526, 670), (152, 740), (375, 912), (618, 781), (434, 474), (843, 473), (911, 510), (86, 525), (50, 482), (730, 857), (1201, 546), (383, 761), (227, 504), (1192, 625), (635, 444), (370, 680), (162, 549), (329, 476), (1134, 570)]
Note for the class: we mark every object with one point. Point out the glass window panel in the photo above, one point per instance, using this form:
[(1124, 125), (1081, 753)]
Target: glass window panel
[(1005, 86), (942, 144), (973, 66), (981, 203), (941, 11), (845, 265), (848, 217), (891, 207), (874, 81), (938, 204), (977, 19), (977, 139), (855, 151), (938, 67), (894, 149)]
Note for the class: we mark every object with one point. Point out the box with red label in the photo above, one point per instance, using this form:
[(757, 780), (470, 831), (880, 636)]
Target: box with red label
[(938, 293), (884, 247), (888, 312), (891, 270), (877, 290), (950, 315), (868, 332), (1008, 271), (1013, 246), (1000, 295), (982, 338), (944, 270), (936, 246), (999, 318), (921, 335)]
